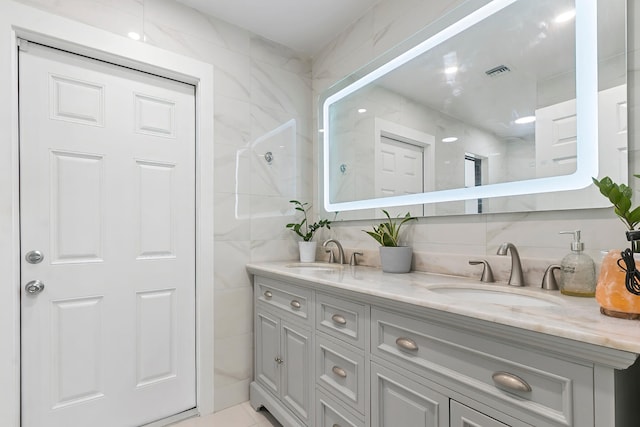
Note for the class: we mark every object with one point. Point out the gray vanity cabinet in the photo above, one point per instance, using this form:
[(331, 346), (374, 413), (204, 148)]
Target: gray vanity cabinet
[(328, 357), (284, 349)]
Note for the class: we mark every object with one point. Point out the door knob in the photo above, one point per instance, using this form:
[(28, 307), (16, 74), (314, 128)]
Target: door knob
[(34, 287), (34, 257)]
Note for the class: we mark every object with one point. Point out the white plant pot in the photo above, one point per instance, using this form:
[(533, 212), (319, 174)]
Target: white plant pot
[(307, 251), (396, 259)]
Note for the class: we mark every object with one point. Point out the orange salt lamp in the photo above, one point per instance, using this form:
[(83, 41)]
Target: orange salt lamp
[(611, 292)]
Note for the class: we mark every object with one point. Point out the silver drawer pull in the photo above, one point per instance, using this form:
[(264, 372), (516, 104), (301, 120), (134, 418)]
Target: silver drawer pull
[(407, 344), (510, 382), (339, 319), (339, 372), (296, 304), (268, 294)]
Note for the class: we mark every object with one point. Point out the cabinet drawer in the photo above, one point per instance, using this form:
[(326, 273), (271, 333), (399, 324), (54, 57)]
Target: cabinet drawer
[(331, 414), (545, 387), (340, 371), (284, 297), (342, 319)]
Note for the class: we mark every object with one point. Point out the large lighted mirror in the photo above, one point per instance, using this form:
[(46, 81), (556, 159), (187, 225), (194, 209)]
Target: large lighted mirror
[(499, 106)]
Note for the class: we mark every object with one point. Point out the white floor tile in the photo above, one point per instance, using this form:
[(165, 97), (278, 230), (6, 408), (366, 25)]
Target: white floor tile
[(242, 415)]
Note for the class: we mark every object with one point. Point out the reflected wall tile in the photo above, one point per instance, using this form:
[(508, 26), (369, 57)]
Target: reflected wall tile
[(172, 14), (233, 312), (232, 217), (232, 121), (230, 259), (278, 89)]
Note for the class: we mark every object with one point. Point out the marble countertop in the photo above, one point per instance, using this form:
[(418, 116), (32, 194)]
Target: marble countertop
[(547, 312)]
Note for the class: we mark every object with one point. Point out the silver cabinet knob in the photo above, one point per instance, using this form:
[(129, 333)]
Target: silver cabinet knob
[(339, 319), (279, 361), (296, 304), (34, 257), (510, 382), (34, 287), (407, 344), (339, 372), (268, 294)]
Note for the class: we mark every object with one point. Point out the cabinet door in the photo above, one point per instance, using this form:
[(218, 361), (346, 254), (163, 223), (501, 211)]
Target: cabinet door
[(297, 370), (267, 351), (463, 416), (399, 401)]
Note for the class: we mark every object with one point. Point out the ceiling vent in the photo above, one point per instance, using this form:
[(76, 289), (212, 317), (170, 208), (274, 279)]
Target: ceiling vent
[(496, 71)]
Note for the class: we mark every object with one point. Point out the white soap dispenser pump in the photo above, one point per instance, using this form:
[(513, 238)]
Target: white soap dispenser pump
[(578, 271)]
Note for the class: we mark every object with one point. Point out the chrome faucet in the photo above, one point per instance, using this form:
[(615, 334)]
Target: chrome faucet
[(516, 278), (340, 250)]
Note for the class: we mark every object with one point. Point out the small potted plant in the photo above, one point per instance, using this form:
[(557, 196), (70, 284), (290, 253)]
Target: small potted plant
[(306, 230), (617, 296), (394, 257)]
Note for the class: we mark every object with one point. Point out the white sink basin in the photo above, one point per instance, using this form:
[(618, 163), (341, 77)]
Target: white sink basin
[(510, 297), (316, 266)]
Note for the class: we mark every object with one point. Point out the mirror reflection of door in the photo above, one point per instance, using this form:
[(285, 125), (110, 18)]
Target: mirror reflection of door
[(403, 164), (472, 178)]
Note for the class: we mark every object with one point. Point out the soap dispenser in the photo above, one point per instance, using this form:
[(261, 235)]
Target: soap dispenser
[(578, 271)]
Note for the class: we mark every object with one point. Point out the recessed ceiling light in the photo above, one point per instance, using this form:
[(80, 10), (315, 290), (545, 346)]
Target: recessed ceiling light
[(451, 70), (450, 139), (133, 35), (362, 110), (524, 120), (565, 16)]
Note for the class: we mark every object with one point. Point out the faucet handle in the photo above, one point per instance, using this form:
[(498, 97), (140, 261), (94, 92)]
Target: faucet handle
[(487, 274), (353, 260), (331, 257), (549, 279)]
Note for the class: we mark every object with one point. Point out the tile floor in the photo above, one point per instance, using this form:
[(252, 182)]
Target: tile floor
[(241, 415)]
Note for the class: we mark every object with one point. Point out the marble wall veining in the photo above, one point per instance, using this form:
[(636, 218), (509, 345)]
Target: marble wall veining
[(262, 102), (265, 100)]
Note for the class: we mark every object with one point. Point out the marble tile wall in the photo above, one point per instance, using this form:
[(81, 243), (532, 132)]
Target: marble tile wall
[(265, 99), (262, 103), (386, 24)]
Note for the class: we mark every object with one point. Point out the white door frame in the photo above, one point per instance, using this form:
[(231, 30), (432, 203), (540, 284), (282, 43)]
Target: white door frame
[(18, 20)]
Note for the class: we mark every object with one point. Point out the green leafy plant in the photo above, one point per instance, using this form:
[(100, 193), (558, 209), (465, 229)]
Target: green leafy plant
[(387, 233), (620, 196), (303, 228)]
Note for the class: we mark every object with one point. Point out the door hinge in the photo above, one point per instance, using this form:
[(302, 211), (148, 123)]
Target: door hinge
[(23, 45)]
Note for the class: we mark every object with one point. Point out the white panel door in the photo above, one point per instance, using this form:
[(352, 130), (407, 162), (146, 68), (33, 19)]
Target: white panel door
[(400, 171), (107, 194)]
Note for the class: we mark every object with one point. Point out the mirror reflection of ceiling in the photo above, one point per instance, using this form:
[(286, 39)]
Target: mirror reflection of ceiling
[(517, 63), (524, 46)]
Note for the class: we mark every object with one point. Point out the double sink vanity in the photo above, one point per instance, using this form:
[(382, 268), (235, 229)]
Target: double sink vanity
[(351, 346)]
